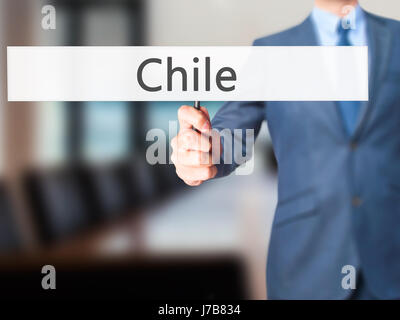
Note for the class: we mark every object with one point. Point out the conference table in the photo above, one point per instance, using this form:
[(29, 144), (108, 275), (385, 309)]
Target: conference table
[(194, 237)]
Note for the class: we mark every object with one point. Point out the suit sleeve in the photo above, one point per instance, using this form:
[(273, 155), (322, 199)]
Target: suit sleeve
[(233, 121)]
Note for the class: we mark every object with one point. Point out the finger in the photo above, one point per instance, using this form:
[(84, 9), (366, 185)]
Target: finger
[(193, 183), (191, 158), (190, 117), (196, 174), (191, 140), (194, 158), (216, 146), (205, 111)]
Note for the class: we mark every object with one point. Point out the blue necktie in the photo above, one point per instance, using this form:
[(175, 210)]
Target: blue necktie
[(348, 109)]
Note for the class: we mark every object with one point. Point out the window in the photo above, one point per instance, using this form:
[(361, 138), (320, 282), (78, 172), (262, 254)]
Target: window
[(50, 140), (106, 130), (106, 125), (93, 131)]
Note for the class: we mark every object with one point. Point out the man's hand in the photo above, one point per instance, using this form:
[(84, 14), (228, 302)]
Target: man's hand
[(193, 150)]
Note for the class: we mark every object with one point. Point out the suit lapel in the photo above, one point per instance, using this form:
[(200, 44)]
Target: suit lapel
[(326, 111), (379, 40), (306, 35)]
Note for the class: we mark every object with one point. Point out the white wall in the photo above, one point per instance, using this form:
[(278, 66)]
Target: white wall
[(385, 8), (233, 22)]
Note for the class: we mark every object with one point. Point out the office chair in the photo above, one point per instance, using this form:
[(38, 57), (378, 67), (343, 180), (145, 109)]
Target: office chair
[(104, 189), (9, 238), (140, 181), (57, 202)]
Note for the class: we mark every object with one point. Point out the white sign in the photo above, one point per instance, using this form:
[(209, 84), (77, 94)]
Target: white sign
[(187, 73)]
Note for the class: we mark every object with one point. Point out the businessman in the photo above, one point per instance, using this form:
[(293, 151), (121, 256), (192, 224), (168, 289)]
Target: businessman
[(338, 166)]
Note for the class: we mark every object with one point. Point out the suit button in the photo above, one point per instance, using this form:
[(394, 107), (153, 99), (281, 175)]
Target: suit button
[(356, 201), (353, 145)]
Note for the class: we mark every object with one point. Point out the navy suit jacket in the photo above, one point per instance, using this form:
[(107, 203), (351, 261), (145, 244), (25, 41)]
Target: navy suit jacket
[(338, 196)]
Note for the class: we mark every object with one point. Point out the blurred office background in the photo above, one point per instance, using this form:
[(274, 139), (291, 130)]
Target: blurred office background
[(75, 188)]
